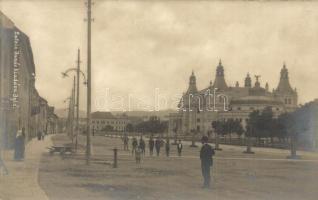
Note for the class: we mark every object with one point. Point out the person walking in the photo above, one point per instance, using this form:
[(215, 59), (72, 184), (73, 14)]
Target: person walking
[(158, 146), (142, 146), (126, 142), (151, 145), (134, 145), (206, 154), (167, 147), (179, 148)]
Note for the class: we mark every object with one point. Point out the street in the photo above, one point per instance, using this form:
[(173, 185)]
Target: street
[(265, 175)]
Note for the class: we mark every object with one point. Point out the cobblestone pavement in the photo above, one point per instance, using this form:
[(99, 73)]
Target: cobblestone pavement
[(264, 175), (22, 181)]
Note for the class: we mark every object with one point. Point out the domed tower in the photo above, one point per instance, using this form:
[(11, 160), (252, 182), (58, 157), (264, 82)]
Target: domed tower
[(219, 81), (285, 92), (192, 89), (248, 81)]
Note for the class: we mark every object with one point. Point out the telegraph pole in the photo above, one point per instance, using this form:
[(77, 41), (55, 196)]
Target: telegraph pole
[(73, 109), (77, 98), (89, 80)]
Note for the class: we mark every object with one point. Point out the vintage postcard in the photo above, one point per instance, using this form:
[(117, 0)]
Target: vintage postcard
[(158, 100)]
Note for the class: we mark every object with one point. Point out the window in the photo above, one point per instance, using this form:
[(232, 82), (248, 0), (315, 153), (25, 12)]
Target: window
[(251, 108), (198, 128), (198, 120), (239, 108), (285, 101), (289, 101)]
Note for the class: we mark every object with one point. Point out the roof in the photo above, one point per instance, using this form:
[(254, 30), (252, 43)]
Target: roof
[(102, 115), (5, 21), (256, 100)]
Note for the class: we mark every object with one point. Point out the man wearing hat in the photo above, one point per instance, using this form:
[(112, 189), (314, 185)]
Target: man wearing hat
[(206, 154)]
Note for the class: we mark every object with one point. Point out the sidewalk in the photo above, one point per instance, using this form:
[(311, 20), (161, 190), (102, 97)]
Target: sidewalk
[(22, 181)]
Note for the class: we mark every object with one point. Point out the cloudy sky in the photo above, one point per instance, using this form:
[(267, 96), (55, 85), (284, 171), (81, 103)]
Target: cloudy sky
[(139, 46)]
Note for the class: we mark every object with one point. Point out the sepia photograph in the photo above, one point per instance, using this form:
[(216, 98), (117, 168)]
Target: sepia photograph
[(158, 100)]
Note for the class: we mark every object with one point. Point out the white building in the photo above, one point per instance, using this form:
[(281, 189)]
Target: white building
[(100, 121)]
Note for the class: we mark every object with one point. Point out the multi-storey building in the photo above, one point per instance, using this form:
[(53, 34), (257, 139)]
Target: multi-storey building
[(100, 120), (218, 101), (18, 95)]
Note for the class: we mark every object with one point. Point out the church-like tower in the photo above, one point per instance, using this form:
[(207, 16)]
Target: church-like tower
[(192, 89), (248, 81), (285, 92), (219, 81)]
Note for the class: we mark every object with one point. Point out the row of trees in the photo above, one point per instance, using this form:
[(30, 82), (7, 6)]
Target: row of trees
[(153, 125), (263, 124)]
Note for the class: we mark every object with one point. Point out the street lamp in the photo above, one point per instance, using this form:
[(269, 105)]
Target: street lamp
[(78, 73)]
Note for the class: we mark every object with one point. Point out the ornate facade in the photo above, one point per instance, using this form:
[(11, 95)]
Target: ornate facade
[(219, 101)]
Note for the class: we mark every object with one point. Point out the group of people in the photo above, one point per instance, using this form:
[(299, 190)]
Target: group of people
[(206, 153), (41, 135), (153, 144)]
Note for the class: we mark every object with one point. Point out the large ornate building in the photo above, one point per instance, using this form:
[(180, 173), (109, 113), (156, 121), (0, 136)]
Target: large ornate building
[(219, 101)]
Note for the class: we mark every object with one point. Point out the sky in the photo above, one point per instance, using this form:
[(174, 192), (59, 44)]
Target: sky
[(143, 52)]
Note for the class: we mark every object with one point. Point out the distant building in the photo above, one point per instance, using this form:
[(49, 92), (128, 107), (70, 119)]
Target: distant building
[(100, 120), (218, 101)]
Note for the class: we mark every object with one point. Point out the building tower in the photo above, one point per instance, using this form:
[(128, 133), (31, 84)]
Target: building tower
[(284, 91), (248, 81), (192, 89), (219, 81)]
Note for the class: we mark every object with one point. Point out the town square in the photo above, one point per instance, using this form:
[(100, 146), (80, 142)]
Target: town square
[(158, 100)]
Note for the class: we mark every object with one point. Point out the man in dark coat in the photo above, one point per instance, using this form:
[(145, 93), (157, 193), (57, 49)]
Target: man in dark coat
[(126, 141), (151, 145), (134, 145), (158, 145), (206, 154), (179, 148), (167, 147), (142, 146)]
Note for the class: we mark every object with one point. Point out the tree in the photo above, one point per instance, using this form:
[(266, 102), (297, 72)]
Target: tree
[(193, 133), (130, 127), (108, 128)]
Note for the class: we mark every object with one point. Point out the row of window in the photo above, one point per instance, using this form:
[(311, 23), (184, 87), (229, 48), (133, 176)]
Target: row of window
[(116, 128), (108, 122)]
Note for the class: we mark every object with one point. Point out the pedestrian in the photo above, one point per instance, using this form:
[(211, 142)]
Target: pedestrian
[(142, 146), (126, 142), (158, 145), (43, 135), (179, 148), (167, 147), (206, 154), (138, 155), (134, 145), (19, 146), (151, 145), (39, 135)]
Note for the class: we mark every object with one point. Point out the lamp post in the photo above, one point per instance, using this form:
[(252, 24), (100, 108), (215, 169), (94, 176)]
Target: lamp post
[(78, 73)]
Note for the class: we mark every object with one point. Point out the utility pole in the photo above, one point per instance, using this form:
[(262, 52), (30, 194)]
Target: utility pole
[(89, 80), (77, 98), (73, 109)]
